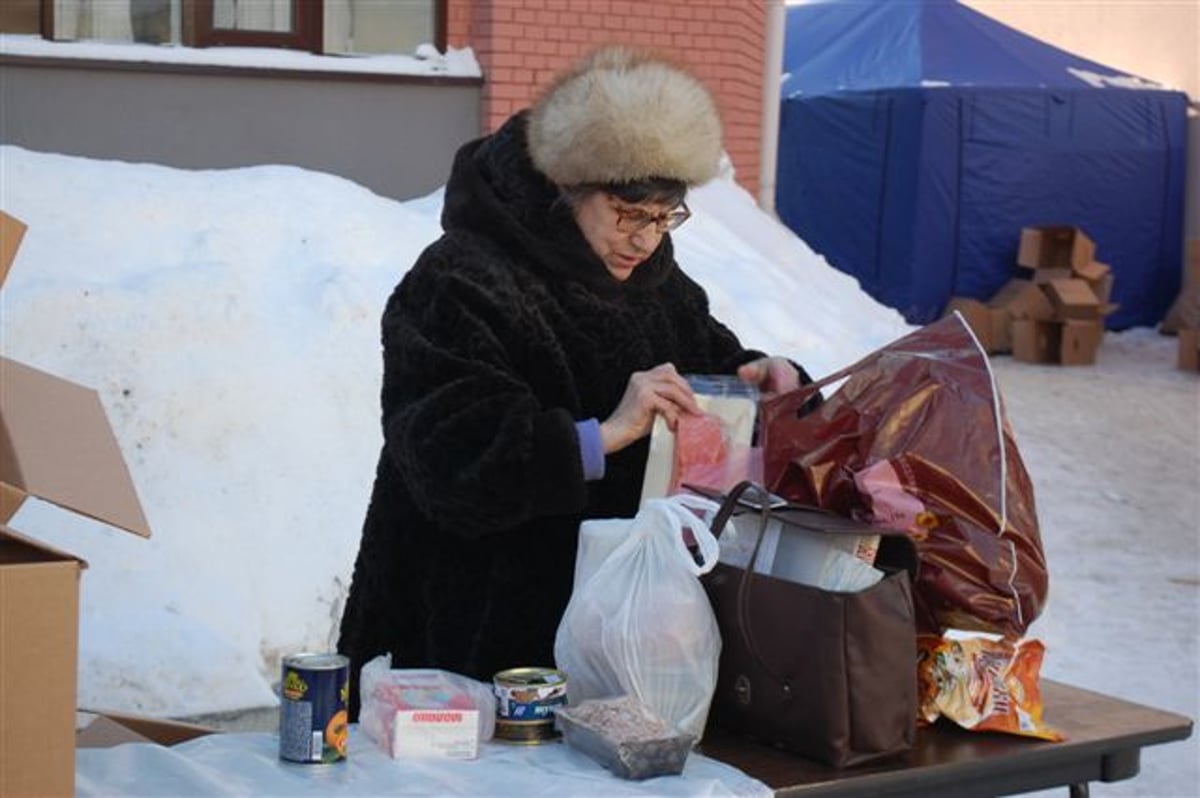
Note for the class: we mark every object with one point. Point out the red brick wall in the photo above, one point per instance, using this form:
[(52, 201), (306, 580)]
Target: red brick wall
[(522, 44)]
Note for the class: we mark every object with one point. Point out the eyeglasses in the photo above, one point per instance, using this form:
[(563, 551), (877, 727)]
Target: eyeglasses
[(634, 220)]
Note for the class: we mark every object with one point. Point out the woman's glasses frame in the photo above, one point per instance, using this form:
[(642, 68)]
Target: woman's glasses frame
[(635, 220)]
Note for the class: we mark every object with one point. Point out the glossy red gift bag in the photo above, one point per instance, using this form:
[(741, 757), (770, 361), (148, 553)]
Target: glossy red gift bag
[(916, 439)]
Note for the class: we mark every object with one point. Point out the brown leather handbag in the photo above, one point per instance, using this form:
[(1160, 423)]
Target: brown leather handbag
[(828, 675)]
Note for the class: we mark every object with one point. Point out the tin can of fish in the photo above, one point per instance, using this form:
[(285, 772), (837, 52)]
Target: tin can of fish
[(313, 710), (525, 702)]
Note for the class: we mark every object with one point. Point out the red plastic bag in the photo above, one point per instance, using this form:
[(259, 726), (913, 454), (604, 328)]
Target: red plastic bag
[(916, 439)]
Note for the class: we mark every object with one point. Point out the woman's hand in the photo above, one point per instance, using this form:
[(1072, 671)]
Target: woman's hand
[(658, 391), (770, 374)]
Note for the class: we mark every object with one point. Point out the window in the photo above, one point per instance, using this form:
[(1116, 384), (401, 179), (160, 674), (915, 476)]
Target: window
[(294, 24), (149, 21), (319, 26), (381, 26)]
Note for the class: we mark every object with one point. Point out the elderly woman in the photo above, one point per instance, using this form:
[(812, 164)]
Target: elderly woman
[(526, 355)]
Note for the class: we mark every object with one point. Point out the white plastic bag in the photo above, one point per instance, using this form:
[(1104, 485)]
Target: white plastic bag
[(639, 622), (598, 538)]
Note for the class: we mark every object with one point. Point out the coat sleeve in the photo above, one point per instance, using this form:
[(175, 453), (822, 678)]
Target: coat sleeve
[(477, 449)]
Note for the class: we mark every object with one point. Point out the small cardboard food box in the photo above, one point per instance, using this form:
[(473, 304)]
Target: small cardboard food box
[(55, 444)]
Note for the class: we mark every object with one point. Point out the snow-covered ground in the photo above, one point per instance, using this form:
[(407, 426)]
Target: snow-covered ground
[(229, 320), (1114, 453)]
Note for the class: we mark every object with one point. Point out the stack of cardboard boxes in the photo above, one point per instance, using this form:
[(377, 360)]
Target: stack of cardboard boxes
[(1053, 310), (55, 444)]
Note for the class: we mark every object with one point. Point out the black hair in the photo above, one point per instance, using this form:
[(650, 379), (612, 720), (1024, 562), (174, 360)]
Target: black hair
[(662, 190)]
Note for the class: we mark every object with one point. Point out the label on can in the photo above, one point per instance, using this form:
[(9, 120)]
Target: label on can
[(529, 693), (313, 710)]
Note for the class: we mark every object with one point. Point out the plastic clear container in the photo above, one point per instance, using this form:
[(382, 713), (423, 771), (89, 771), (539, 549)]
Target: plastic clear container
[(623, 735)]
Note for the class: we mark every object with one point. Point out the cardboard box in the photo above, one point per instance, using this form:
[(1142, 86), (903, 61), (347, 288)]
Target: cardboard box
[(1099, 278), (55, 444), (1189, 348), (1055, 247), (1016, 299), (1079, 341), (1066, 343), (1023, 299), (1093, 272), (1185, 311), (1103, 290), (12, 230), (1035, 341), (989, 324), (1043, 276), (1057, 315), (108, 729), (1073, 299)]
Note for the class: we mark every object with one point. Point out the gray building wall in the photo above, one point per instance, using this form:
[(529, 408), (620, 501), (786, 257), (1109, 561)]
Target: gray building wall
[(396, 135)]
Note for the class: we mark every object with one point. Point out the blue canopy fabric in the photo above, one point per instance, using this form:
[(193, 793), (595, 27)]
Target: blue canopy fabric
[(918, 138)]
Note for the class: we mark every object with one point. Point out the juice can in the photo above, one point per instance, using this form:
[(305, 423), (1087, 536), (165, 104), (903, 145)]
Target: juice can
[(313, 710)]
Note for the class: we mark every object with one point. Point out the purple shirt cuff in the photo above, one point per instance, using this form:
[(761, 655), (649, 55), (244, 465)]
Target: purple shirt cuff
[(591, 449)]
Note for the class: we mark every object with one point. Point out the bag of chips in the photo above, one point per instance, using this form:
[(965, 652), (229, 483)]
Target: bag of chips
[(982, 684)]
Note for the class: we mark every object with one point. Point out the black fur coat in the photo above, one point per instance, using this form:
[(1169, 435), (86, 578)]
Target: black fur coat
[(506, 331)]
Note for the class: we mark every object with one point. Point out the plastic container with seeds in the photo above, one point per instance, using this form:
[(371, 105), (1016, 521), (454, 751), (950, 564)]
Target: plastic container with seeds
[(625, 736)]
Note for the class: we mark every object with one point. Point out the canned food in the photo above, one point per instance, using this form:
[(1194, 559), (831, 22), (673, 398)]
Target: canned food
[(313, 711), (525, 702), (526, 732)]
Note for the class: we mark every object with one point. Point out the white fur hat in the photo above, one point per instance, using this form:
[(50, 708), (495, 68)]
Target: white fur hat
[(622, 115)]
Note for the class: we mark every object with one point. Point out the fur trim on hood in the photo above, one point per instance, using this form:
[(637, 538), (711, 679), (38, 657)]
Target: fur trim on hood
[(622, 115)]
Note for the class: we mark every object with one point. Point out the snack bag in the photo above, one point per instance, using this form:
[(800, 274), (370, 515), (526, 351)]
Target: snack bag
[(983, 684)]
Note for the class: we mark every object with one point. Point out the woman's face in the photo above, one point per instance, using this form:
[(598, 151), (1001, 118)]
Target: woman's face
[(622, 234)]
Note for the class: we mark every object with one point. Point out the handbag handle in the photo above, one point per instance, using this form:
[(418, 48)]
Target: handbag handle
[(743, 593)]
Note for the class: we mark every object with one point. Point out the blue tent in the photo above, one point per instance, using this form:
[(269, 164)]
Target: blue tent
[(918, 138)]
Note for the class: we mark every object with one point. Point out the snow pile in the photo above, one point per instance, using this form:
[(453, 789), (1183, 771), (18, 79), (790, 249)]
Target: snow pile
[(229, 320)]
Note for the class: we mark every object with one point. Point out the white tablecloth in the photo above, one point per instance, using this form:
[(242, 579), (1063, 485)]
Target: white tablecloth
[(249, 764)]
